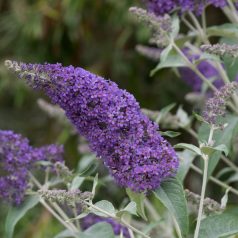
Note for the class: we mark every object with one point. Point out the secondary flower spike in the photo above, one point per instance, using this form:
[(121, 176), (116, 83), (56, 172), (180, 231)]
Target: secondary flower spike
[(17, 157), (136, 155)]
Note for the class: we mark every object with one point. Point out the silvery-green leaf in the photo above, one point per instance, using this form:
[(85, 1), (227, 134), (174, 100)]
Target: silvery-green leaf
[(16, 213), (222, 225), (190, 147), (186, 158), (220, 137), (227, 30), (105, 206), (138, 198), (67, 234), (224, 199), (170, 134), (175, 26), (208, 150), (171, 195), (99, 230), (130, 208), (77, 182), (184, 119), (95, 182), (164, 111)]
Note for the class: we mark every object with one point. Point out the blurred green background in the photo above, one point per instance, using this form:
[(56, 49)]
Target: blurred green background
[(98, 35)]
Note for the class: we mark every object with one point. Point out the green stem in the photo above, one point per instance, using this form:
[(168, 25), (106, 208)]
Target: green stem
[(177, 227), (204, 183), (56, 215), (216, 181), (75, 214), (224, 159), (204, 21), (53, 204)]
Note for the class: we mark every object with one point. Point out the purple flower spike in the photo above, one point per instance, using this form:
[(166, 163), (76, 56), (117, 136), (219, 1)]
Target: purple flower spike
[(136, 155), (17, 157)]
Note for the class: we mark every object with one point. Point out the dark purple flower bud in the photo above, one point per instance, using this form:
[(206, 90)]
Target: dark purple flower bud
[(137, 156), (92, 219), (17, 157)]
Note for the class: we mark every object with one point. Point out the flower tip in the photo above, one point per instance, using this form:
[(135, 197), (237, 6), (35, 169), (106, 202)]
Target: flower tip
[(15, 66), (8, 63)]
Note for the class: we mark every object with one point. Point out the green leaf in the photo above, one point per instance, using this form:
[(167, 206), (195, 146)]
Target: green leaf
[(175, 26), (186, 158), (165, 52), (170, 134), (221, 225), (190, 147), (130, 208), (95, 182), (77, 182), (138, 198), (198, 117), (99, 230), (183, 119), (104, 205), (220, 137), (16, 213), (208, 150), (171, 194), (173, 60), (227, 30), (164, 111), (66, 234), (224, 199)]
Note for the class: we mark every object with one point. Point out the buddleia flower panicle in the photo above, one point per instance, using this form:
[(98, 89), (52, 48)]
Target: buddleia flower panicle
[(137, 156), (17, 158), (221, 50), (161, 26), (152, 53), (161, 7), (205, 67), (215, 107), (92, 219)]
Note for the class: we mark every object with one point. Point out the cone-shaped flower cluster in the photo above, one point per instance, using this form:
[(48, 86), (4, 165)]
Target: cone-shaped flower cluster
[(161, 7), (17, 157), (111, 120)]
